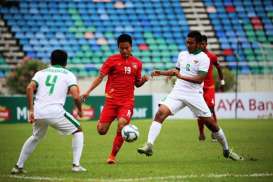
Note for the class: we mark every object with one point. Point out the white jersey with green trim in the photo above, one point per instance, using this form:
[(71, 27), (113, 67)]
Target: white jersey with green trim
[(190, 65), (52, 88)]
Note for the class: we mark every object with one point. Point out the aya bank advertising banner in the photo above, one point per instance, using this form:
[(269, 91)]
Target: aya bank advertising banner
[(229, 105)]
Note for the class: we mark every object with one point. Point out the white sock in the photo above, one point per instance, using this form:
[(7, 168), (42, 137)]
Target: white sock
[(28, 147), (221, 138), (77, 146), (154, 131)]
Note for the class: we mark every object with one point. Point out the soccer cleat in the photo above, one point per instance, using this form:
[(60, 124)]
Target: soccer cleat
[(202, 137), (232, 155), (147, 149), (17, 170), (78, 168), (111, 159)]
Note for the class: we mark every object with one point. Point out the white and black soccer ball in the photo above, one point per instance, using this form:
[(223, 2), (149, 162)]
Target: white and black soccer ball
[(130, 133)]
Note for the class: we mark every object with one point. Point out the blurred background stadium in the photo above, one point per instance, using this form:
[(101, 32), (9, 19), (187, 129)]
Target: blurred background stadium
[(240, 32)]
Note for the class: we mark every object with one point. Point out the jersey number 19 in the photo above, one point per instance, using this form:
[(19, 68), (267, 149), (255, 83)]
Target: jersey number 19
[(127, 70)]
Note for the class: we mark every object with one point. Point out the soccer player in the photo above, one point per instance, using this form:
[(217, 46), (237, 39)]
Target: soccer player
[(124, 73), (209, 86), (191, 69), (51, 86)]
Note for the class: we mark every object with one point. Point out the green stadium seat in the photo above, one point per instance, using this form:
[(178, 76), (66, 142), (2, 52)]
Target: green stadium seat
[(2, 60), (160, 66)]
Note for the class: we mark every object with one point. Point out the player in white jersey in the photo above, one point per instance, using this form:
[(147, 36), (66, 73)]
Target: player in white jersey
[(191, 69), (52, 86)]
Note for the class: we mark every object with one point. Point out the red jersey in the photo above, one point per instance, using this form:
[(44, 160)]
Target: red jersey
[(209, 81), (122, 75)]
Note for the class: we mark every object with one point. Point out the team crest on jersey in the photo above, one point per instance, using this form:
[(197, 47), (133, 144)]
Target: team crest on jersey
[(134, 65), (195, 61)]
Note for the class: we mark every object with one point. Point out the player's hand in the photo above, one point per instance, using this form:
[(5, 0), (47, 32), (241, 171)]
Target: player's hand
[(222, 85), (84, 97), (31, 117), (145, 78), (175, 72), (155, 73), (80, 113)]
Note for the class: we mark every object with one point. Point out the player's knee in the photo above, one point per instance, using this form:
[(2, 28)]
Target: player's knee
[(101, 131), (121, 124), (161, 114), (102, 128)]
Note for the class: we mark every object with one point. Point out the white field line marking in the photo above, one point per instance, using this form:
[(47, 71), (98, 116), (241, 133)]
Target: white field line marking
[(157, 178)]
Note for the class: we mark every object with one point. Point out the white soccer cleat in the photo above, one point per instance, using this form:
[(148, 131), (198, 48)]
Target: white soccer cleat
[(17, 170), (78, 168), (147, 149), (232, 155)]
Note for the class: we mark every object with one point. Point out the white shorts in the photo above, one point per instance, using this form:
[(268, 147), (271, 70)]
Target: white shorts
[(66, 125), (195, 101)]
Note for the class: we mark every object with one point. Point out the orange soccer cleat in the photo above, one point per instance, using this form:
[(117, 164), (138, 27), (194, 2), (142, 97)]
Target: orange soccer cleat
[(111, 159)]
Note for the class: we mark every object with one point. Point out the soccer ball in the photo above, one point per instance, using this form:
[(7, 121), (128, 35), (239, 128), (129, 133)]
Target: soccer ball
[(130, 133)]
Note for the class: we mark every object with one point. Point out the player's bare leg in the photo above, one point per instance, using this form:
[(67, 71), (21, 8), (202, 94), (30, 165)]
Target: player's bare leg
[(102, 128), (162, 113), (215, 120), (201, 128), (118, 141), (202, 136)]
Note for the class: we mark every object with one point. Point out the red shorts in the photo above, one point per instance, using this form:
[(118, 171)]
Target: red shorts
[(209, 96), (112, 110)]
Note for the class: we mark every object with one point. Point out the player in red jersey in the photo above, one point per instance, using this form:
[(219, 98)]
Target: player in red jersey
[(124, 73), (209, 86)]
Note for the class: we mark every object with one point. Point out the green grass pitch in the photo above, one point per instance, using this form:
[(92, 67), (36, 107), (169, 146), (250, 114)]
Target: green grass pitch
[(178, 155)]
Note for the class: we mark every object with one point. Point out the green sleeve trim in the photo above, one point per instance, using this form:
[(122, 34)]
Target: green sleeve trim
[(202, 72), (72, 85), (37, 84)]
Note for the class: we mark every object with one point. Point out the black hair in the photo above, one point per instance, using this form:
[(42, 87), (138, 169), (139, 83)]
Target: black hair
[(204, 38), (124, 38), (58, 57), (196, 35)]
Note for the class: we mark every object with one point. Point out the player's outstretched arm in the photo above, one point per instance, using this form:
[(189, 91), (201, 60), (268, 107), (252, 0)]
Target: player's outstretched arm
[(141, 82), (194, 79), (221, 76), (93, 85), (171, 72), (30, 91), (75, 93)]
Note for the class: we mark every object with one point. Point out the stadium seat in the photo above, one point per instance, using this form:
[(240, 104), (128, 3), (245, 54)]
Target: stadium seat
[(85, 28), (244, 22)]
